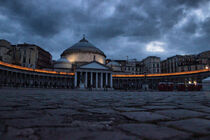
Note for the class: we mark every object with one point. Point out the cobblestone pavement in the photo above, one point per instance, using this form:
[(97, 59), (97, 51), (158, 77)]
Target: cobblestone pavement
[(75, 115)]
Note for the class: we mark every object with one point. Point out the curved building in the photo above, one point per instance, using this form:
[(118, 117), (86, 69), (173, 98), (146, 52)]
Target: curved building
[(83, 52)]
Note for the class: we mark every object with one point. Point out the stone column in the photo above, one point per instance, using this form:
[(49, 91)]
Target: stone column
[(96, 79), (75, 80), (39, 81), (111, 80), (106, 78), (101, 80), (91, 78), (86, 79)]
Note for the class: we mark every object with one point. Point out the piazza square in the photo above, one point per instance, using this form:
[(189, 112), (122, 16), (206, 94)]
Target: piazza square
[(118, 115)]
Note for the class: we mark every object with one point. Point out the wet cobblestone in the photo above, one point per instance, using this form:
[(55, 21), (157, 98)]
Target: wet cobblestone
[(38, 114)]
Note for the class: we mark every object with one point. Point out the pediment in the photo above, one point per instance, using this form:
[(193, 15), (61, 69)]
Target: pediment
[(94, 65)]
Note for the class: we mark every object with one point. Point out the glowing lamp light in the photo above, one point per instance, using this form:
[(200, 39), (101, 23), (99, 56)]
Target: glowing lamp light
[(206, 67), (164, 74), (195, 82), (189, 82)]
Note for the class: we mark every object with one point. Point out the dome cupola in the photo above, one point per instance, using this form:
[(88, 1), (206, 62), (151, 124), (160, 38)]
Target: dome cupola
[(83, 46), (82, 52)]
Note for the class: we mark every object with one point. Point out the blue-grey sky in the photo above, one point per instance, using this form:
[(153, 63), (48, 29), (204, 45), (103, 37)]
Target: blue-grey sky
[(120, 28)]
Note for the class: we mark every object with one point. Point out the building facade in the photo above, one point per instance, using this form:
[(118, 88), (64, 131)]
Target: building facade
[(182, 63), (204, 58), (115, 66), (33, 56), (26, 55), (170, 64), (93, 75), (151, 64), (6, 51), (129, 66)]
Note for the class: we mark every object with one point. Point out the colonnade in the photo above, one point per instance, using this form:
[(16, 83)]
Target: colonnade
[(135, 83), (11, 77), (89, 79), (34, 80)]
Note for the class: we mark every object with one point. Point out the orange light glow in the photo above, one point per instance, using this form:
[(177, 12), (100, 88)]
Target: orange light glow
[(66, 73), (165, 74), (34, 70)]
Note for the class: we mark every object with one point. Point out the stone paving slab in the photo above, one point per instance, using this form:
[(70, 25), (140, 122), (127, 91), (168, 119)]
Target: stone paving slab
[(76, 134), (150, 131), (19, 114), (159, 107), (145, 116), (60, 133), (181, 113), (19, 134), (102, 110), (46, 121), (38, 114), (129, 109), (195, 125)]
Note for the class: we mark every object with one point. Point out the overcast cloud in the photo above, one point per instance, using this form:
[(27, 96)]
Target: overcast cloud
[(120, 28)]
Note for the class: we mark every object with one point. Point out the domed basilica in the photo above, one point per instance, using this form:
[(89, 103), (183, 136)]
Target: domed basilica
[(88, 64), (80, 53)]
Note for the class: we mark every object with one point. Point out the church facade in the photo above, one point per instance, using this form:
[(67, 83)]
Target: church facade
[(93, 75)]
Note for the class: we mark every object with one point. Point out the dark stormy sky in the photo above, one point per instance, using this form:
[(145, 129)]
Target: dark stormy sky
[(134, 28)]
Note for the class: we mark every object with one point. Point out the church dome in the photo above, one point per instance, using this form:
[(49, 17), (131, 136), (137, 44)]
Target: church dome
[(83, 52), (83, 46)]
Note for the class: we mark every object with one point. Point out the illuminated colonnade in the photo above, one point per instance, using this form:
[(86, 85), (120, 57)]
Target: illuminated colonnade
[(136, 81), (13, 75), (17, 76)]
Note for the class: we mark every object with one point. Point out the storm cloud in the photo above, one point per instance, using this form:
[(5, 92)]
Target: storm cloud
[(120, 28)]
